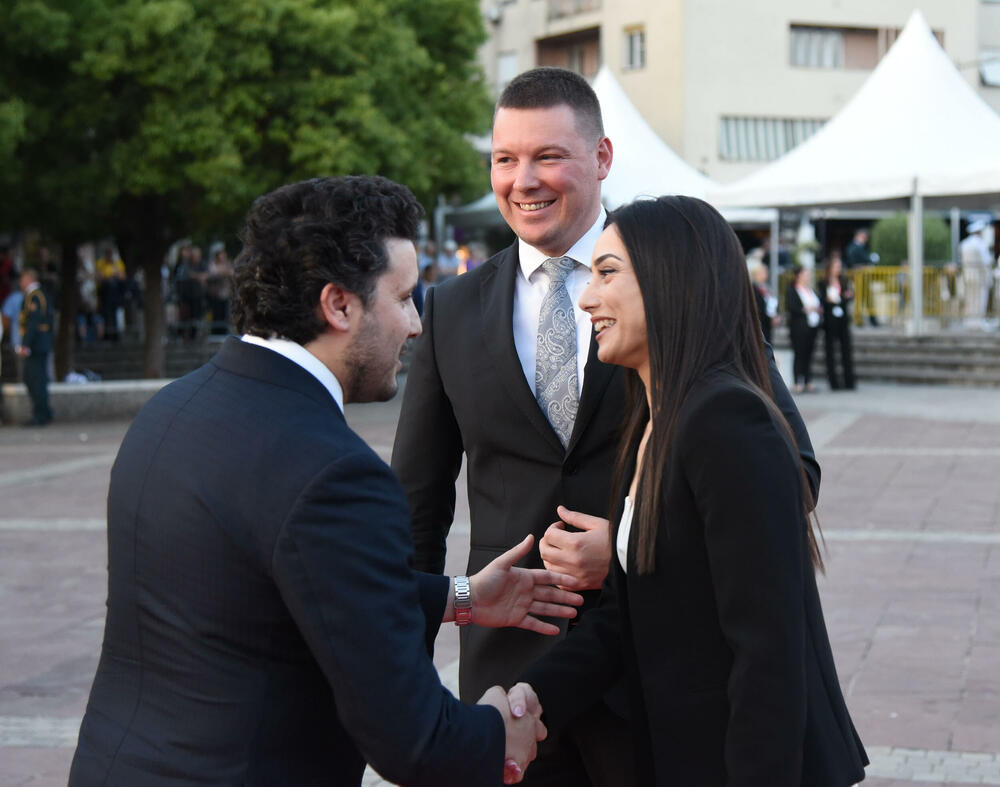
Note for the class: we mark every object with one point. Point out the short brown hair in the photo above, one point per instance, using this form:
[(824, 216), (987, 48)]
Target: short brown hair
[(545, 87)]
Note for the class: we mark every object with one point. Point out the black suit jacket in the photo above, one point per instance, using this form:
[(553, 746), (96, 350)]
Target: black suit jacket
[(724, 647), (466, 392), (264, 626)]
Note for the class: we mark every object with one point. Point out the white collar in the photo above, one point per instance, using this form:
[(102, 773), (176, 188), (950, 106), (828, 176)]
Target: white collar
[(582, 251), (299, 355)]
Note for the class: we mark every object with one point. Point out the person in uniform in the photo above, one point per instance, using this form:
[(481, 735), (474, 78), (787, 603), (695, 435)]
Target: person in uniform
[(36, 344)]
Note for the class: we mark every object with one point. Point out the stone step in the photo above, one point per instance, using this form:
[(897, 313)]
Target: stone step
[(945, 358), (921, 374)]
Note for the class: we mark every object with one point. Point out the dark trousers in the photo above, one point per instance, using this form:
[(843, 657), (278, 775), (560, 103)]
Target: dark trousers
[(36, 380), (596, 751), (837, 331), (803, 344)]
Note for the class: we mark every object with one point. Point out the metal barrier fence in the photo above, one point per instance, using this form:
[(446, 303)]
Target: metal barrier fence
[(950, 294)]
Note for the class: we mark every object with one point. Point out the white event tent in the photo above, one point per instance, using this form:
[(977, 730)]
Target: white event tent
[(916, 134), (643, 164)]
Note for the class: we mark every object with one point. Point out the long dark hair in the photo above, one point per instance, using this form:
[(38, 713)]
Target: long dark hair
[(700, 315)]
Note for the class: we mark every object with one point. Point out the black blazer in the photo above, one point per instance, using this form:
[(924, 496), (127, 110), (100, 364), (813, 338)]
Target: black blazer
[(846, 296), (724, 646), (798, 322), (263, 624), (466, 392)]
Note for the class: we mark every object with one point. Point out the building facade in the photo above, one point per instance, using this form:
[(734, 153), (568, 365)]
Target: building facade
[(730, 85)]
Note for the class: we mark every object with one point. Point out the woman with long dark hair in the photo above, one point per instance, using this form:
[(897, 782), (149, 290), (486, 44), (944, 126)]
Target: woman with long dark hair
[(836, 293), (804, 316), (710, 609)]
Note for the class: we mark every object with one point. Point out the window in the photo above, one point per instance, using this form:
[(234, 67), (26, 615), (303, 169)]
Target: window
[(989, 67), (817, 47), (810, 46), (579, 51), (761, 138), (635, 48), (506, 69)]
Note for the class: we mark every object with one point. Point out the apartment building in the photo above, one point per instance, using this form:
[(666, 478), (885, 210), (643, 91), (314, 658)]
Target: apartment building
[(731, 85)]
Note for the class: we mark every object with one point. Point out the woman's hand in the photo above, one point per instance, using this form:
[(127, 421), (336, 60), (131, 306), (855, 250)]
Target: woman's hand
[(585, 555)]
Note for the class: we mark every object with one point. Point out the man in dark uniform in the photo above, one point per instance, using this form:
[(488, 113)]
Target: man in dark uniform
[(36, 344)]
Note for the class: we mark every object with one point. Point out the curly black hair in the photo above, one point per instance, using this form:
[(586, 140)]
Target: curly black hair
[(303, 236)]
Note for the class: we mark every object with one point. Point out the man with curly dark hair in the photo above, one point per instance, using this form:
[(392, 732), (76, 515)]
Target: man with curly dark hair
[(264, 626)]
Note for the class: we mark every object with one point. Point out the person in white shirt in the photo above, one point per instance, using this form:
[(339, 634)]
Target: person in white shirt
[(804, 315), (977, 273)]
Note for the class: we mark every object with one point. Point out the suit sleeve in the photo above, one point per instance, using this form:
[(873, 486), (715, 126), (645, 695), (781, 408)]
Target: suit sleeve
[(427, 454), (793, 302), (575, 674), (745, 481), (341, 564), (783, 399), (433, 590)]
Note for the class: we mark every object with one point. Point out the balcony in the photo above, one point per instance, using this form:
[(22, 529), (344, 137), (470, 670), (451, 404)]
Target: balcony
[(563, 9)]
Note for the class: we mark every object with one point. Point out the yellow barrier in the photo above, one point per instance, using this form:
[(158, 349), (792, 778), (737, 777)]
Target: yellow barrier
[(883, 292)]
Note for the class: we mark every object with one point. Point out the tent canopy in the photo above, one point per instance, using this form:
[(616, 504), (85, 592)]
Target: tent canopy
[(915, 126), (644, 165)]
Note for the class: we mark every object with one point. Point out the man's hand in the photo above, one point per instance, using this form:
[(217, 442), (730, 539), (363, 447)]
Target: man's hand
[(523, 732), (585, 555), (505, 595), (23, 351)]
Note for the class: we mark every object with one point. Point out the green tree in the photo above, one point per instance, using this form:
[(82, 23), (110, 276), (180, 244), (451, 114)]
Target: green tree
[(192, 108), (891, 241), (50, 171)]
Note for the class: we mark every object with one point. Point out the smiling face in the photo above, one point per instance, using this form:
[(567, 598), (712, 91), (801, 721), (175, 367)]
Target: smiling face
[(386, 323), (614, 301), (547, 176)]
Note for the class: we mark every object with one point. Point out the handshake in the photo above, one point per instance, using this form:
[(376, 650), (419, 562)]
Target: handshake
[(522, 721)]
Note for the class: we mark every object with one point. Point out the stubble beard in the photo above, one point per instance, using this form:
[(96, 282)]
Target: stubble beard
[(371, 370)]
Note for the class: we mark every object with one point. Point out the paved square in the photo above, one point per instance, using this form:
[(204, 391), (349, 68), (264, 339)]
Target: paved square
[(909, 505)]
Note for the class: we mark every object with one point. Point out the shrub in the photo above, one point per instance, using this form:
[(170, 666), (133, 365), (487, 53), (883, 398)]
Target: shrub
[(889, 239)]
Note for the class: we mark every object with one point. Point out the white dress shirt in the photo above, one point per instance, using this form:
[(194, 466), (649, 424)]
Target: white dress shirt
[(624, 530), (530, 287), (299, 355)]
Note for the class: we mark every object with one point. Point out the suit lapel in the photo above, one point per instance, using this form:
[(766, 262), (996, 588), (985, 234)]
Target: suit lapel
[(497, 301), (596, 377)]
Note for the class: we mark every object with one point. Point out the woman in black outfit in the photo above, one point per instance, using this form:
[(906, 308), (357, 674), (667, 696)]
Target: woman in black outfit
[(710, 609), (836, 292), (804, 315)]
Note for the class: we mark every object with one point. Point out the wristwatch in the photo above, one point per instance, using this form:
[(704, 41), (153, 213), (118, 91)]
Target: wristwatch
[(463, 601)]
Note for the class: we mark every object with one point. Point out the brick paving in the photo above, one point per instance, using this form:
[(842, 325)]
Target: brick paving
[(910, 504)]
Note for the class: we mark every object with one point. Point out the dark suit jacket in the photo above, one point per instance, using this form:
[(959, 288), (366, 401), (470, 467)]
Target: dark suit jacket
[(263, 624), (36, 322), (466, 391), (798, 322), (724, 646), (846, 296)]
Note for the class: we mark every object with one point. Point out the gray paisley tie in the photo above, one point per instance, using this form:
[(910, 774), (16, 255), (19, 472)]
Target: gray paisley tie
[(555, 359)]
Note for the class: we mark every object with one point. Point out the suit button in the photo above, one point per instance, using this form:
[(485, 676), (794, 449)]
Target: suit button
[(571, 469)]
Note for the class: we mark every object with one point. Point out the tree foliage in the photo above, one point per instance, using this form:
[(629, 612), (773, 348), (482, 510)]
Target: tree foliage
[(154, 119), (891, 241)]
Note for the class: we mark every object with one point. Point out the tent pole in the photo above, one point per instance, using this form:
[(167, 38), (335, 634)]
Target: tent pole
[(775, 225), (916, 260)]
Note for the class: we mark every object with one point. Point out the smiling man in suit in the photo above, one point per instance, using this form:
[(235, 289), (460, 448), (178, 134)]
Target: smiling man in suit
[(506, 372), (264, 626)]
